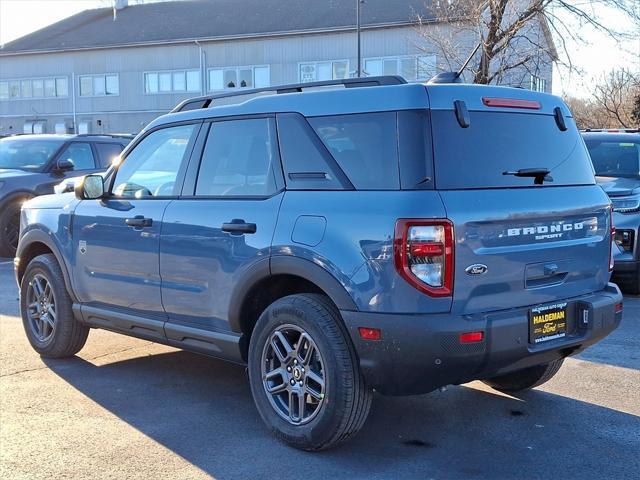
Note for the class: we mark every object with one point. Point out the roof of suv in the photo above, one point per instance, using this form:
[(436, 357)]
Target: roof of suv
[(115, 137), (612, 136), (337, 101)]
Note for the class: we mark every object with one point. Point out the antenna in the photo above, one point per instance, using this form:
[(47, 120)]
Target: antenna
[(454, 77), (469, 58)]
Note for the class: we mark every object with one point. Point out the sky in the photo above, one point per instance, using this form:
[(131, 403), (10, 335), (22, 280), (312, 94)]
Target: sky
[(600, 55)]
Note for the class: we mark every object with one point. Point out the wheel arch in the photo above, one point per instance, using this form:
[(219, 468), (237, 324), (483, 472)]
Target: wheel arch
[(34, 243), (275, 278)]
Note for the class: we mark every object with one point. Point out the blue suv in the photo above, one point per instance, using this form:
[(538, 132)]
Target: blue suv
[(388, 236)]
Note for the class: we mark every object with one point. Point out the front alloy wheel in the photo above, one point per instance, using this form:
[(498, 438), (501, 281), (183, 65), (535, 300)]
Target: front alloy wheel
[(293, 374), (41, 308)]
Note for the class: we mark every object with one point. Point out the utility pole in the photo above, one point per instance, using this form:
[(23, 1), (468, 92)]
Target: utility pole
[(359, 69)]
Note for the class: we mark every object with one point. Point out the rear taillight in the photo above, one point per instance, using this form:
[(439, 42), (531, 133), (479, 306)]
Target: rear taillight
[(613, 239), (423, 253)]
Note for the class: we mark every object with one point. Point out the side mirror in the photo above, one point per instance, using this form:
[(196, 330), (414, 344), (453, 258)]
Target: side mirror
[(90, 188), (65, 165)]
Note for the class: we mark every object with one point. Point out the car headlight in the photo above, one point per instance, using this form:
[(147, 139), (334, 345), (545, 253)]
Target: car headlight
[(626, 204)]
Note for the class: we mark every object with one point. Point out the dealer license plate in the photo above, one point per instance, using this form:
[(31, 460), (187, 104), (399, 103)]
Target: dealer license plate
[(547, 322)]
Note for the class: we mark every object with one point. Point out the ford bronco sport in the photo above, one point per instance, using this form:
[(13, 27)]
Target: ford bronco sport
[(388, 236)]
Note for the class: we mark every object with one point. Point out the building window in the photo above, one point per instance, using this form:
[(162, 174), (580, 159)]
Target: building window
[(319, 71), (411, 68), (172, 81), (50, 87), (239, 77), (99, 85), (538, 84)]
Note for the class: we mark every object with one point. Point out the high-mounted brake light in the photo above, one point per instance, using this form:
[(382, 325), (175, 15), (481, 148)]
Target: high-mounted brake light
[(511, 103), (613, 239), (423, 254)]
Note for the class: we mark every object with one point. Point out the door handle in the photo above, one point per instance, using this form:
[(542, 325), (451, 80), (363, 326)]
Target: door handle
[(237, 226), (139, 221)]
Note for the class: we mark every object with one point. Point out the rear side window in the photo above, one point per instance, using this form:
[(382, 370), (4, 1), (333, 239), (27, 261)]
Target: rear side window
[(238, 159), (307, 163), (616, 159), (365, 146), (80, 154), (496, 142), (108, 152)]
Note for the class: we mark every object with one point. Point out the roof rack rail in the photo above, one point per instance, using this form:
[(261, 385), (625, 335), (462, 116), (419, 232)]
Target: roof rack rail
[(111, 135), (612, 130), (206, 101)]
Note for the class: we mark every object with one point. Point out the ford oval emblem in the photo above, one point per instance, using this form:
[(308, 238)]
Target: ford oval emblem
[(476, 269)]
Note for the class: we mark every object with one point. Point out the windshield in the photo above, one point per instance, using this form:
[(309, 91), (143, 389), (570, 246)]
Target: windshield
[(615, 159), (27, 153)]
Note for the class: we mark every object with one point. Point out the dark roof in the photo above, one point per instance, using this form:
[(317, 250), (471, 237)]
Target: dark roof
[(183, 20)]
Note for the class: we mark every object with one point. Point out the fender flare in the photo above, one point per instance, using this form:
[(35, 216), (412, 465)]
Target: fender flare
[(286, 265), (38, 236), (15, 195)]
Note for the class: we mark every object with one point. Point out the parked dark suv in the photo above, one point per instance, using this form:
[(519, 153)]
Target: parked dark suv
[(31, 165), (616, 160), (388, 236)]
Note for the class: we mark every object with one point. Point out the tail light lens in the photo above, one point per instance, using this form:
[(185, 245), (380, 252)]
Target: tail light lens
[(613, 239), (423, 252)]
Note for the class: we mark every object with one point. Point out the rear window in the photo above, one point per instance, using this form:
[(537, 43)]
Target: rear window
[(365, 146), (616, 159), (496, 142)]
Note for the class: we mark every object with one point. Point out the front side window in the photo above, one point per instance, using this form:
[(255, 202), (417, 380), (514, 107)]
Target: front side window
[(152, 167), (238, 159), (81, 155), (364, 145)]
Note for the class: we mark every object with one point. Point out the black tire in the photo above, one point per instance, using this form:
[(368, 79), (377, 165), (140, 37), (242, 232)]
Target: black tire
[(526, 378), (631, 288), (10, 228), (346, 400), (67, 336)]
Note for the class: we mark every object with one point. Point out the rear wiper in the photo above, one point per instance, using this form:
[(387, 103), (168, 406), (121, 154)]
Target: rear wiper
[(539, 175)]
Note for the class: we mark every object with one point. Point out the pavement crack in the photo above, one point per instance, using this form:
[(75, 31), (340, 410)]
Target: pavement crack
[(45, 367)]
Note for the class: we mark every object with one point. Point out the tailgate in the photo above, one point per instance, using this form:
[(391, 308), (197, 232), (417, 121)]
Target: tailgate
[(538, 245)]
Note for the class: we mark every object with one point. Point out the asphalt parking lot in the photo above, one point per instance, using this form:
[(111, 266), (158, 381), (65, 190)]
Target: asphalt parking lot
[(127, 408)]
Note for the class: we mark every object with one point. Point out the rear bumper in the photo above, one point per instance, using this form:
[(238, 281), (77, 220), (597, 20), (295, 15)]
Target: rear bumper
[(419, 353)]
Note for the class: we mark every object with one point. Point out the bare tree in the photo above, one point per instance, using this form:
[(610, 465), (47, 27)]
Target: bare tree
[(516, 35), (615, 95)]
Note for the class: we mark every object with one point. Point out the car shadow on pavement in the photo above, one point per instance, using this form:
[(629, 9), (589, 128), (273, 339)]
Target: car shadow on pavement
[(202, 410)]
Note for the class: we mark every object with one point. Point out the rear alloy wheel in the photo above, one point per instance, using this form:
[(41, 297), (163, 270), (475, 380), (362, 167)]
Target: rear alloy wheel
[(293, 374), (304, 374)]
